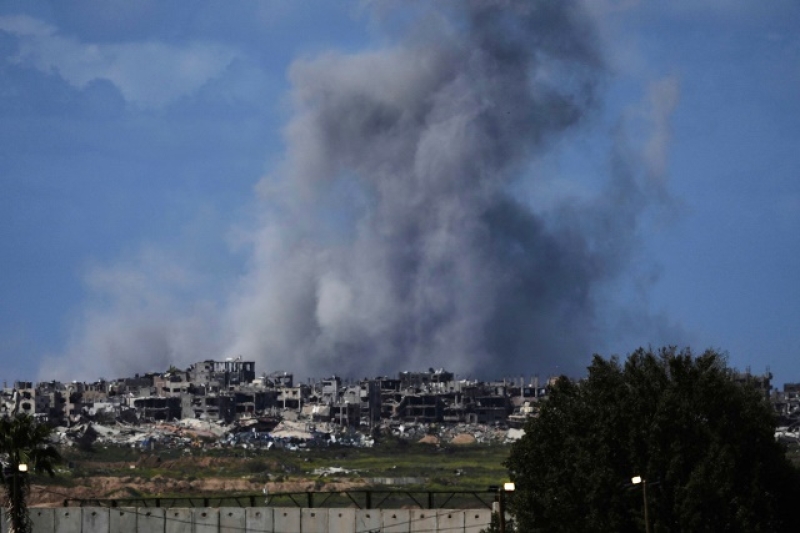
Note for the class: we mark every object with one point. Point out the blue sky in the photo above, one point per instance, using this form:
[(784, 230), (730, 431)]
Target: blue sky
[(164, 197)]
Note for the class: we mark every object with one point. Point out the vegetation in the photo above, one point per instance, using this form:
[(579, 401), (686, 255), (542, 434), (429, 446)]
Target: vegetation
[(703, 444), (444, 467), (24, 443)]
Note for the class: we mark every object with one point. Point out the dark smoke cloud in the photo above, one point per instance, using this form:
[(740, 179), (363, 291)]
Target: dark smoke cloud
[(407, 227), (392, 239)]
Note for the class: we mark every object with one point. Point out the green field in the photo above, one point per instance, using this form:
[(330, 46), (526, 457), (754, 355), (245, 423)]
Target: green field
[(465, 467)]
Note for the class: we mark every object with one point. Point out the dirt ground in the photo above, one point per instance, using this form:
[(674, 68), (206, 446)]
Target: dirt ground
[(126, 487)]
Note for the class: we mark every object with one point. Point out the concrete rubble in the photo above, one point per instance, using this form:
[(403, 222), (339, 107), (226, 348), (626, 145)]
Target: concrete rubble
[(288, 435), (224, 403)]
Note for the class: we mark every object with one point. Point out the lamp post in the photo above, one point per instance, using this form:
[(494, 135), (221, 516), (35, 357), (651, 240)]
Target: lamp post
[(507, 487), (22, 468), (14, 473), (636, 480)]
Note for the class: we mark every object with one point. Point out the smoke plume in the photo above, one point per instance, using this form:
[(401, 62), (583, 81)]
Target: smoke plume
[(395, 235), (393, 239)]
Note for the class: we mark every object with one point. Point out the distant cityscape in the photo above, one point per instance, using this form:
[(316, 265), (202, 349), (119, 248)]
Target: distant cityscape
[(229, 391)]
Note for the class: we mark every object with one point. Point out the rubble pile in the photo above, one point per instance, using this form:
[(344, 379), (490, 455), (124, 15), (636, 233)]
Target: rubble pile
[(224, 403), (284, 435)]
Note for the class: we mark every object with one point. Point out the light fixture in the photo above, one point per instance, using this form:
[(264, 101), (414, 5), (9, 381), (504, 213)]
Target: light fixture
[(509, 487), (637, 480), (23, 467)]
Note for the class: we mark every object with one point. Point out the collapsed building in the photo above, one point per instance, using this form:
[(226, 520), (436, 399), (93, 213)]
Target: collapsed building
[(224, 392)]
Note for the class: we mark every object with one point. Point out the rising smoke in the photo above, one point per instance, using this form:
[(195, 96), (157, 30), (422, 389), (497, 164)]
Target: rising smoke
[(395, 236), (394, 240)]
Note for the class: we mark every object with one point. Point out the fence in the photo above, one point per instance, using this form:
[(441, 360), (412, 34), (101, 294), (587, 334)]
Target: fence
[(254, 520), (360, 499)]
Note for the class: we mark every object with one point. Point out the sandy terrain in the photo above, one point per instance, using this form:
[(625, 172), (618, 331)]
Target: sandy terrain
[(120, 487)]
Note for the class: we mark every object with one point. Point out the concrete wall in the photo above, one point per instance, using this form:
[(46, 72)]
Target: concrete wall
[(253, 520), (122, 520), (342, 521), (68, 519), (41, 519), (314, 520), (369, 520), (396, 521), (179, 520), (95, 519), (476, 520), (286, 519), (423, 520), (259, 519), (148, 520)]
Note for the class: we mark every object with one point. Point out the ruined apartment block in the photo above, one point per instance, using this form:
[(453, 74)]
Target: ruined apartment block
[(229, 390)]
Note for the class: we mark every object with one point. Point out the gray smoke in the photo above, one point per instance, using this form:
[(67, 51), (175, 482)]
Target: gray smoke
[(411, 224), (392, 238)]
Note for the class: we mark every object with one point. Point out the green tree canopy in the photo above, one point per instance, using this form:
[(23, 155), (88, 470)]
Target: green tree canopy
[(704, 443)]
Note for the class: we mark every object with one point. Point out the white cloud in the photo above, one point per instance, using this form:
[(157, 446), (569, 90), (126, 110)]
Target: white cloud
[(149, 74)]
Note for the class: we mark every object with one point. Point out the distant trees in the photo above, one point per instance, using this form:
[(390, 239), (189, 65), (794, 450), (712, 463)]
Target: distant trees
[(23, 442), (704, 445)]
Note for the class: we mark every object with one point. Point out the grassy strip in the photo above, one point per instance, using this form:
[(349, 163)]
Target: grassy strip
[(444, 467)]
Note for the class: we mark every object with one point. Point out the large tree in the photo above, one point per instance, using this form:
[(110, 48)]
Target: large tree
[(703, 443), (23, 441)]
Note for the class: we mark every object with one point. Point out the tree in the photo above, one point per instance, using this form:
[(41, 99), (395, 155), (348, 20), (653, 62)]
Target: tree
[(703, 443), (23, 442)]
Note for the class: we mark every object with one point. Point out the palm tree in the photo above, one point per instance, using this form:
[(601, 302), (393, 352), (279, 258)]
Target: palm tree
[(24, 446)]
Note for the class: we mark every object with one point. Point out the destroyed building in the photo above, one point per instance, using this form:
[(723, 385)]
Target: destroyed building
[(229, 391)]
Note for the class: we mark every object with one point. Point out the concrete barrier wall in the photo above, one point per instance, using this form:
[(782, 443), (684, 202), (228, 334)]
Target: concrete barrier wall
[(95, 519), (314, 520), (396, 521), (122, 520), (232, 520), (423, 520), (178, 520), (148, 520), (369, 520), (42, 520), (286, 519), (254, 520), (68, 520), (205, 520), (259, 519), (342, 521), (449, 520), (477, 519)]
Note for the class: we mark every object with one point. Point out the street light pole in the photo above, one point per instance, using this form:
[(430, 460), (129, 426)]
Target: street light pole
[(501, 514), (507, 487), (636, 480), (14, 473)]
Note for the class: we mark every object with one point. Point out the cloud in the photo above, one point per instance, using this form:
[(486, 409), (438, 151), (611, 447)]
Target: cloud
[(149, 74), (138, 318)]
